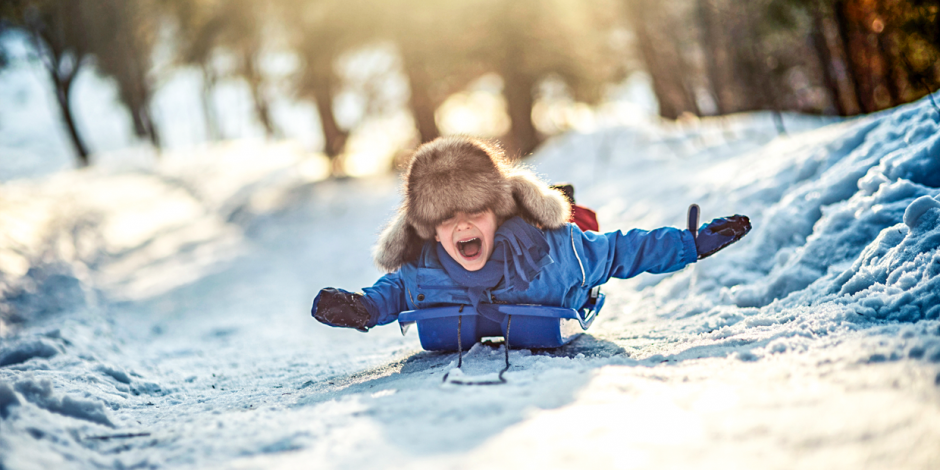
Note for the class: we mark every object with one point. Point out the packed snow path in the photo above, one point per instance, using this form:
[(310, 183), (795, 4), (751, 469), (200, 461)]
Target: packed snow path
[(158, 317)]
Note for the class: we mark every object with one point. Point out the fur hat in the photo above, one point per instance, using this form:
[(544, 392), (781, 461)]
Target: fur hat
[(453, 174)]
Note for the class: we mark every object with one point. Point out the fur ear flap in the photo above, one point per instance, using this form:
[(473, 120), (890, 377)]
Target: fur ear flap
[(398, 244), (537, 202)]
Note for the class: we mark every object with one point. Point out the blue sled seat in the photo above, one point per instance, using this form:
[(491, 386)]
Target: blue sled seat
[(529, 326)]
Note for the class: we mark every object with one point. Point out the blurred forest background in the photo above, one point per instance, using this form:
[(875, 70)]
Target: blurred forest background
[(702, 57)]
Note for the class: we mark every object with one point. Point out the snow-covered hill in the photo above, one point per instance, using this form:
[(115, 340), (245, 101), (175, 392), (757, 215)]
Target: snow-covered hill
[(156, 317)]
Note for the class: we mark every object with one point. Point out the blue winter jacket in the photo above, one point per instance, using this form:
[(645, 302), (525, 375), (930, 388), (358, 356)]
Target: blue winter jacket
[(581, 261)]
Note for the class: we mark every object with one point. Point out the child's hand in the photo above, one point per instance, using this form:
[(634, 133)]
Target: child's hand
[(720, 233), (336, 307)]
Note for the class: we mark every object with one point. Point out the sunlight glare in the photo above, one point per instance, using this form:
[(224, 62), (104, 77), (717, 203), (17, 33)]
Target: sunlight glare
[(479, 111), (25, 223), (372, 146)]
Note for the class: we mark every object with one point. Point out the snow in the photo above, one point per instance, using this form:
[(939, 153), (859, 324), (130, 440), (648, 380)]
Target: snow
[(155, 313)]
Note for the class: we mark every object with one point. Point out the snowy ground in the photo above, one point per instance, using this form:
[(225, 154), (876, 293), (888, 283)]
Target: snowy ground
[(157, 316)]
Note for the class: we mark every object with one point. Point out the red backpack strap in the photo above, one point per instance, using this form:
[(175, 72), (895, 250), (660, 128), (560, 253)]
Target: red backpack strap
[(584, 218)]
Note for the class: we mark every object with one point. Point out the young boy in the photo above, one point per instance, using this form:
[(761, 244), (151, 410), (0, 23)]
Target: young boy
[(474, 228)]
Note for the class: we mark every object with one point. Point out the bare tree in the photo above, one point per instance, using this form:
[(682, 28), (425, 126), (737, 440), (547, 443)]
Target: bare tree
[(244, 22), (657, 30), (529, 40), (831, 54), (208, 27), (122, 38), (437, 42), (716, 48), (198, 26), (60, 38), (320, 31)]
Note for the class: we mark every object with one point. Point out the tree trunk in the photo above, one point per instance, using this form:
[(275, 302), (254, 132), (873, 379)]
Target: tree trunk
[(751, 97), (821, 45), (763, 83), (208, 113), (63, 94), (690, 103), (254, 78), (143, 122), (420, 102), (62, 80), (838, 53), (151, 126), (135, 93), (747, 64), (716, 57), (651, 59), (857, 55), (517, 89), (140, 128), (833, 66), (894, 71), (664, 70), (262, 109), (334, 138)]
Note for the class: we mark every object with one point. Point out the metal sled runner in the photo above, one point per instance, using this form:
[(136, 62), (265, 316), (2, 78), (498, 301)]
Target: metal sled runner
[(455, 327)]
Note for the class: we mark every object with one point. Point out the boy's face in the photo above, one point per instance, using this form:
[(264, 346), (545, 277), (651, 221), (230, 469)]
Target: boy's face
[(468, 238)]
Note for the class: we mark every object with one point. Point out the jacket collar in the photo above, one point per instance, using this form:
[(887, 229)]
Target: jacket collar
[(520, 253)]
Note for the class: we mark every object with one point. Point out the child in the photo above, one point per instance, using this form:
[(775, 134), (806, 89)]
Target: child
[(474, 228)]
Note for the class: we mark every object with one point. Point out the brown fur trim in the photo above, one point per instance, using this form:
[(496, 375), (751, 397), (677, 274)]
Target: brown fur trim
[(462, 174), (398, 244), (537, 203)]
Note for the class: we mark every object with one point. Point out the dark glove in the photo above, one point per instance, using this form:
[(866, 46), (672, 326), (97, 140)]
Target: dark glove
[(336, 307), (720, 233)]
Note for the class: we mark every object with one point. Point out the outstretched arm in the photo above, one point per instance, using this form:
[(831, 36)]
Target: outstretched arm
[(624, 255), (378, 305)]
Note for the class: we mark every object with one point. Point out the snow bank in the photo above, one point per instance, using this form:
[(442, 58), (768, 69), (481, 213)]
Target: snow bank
[(859, 228)]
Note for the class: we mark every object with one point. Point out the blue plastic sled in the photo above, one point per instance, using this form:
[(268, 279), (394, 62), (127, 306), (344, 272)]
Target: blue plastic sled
[(530, 326)]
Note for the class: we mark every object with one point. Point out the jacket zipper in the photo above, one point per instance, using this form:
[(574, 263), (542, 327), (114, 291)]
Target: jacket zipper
[(575, 250)]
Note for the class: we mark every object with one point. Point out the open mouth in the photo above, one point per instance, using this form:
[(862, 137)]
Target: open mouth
[(470, 248)]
